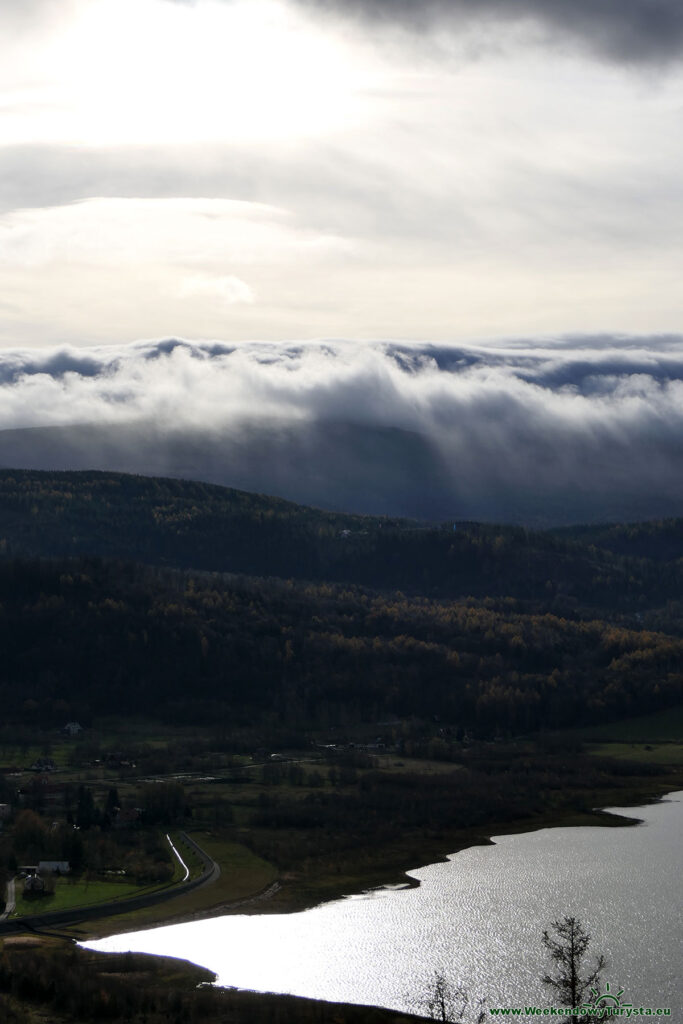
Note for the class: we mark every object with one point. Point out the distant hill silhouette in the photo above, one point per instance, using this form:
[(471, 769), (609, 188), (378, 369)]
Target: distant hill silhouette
[(372, 469), (200, 526)]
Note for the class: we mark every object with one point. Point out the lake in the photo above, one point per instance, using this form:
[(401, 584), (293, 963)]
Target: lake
[(477, 917)]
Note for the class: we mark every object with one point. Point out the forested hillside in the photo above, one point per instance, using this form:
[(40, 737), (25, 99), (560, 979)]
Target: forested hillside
[(659, 539), (200, 603), (84, 637), (201, 526)]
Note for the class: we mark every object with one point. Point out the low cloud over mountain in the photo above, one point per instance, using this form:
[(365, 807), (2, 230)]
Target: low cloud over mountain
[(577, 430)]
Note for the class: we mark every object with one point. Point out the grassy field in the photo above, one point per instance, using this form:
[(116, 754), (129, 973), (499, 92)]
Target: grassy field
[(194, 864), (22, 756), (242, 872), (243, 875), (69, 894), (644, 753), (659, 727)]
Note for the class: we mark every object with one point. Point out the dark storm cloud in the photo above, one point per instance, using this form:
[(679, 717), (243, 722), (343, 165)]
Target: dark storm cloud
[(623, 30), (581, 430)]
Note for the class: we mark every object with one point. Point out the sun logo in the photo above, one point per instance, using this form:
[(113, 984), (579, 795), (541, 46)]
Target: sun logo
[(606, 998)]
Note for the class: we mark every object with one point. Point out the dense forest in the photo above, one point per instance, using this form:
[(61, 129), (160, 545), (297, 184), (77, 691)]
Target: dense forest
[(90, 636), (198, 603), (628, 569)]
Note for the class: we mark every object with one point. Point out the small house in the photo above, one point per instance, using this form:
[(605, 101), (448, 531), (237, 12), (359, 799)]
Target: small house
[(57, 867)]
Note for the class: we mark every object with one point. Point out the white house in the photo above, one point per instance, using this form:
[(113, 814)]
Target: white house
[(57, 867)]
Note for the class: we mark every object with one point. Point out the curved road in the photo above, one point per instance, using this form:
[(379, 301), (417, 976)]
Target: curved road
[(210, 873)]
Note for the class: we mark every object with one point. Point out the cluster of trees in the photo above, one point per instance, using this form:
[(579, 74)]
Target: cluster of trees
[(84, 834), (334, 826), (657, 539)]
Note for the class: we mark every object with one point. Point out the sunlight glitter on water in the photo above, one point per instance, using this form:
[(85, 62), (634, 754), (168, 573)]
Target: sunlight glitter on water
[(478, 917)]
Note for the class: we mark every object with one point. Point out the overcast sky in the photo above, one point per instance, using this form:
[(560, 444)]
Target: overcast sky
[(422, 255), (462, 170)]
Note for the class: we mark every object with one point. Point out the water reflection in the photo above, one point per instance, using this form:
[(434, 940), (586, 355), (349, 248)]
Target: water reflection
[(478, 917)]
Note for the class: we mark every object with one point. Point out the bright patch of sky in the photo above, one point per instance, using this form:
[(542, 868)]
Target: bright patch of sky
[(251, 169)]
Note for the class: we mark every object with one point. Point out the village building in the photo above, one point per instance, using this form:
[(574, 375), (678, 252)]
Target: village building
[(57, 867)]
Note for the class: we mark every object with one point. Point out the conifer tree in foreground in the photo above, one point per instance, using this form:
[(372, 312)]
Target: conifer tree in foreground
[(567, 948)]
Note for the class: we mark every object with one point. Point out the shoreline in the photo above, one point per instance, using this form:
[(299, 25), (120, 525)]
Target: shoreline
[(300, 1008), (277, 899)]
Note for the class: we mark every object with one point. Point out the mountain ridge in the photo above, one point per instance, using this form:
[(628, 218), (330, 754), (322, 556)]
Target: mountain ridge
[(201, 526)]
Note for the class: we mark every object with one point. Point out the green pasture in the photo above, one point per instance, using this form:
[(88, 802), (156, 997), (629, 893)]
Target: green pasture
[(664, 726), (80, 893), (644, 753), (243, 876)]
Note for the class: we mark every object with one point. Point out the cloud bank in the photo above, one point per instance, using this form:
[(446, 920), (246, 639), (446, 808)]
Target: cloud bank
[(578, 430), (634, 31)]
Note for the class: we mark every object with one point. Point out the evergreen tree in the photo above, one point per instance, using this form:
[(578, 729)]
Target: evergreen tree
[(567, 949)]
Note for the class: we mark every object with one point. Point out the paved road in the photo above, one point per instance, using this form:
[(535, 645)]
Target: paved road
[(210, 872), (10, 901)]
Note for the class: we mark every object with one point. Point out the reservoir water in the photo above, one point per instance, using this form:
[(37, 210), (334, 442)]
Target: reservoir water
[(478, 918)]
